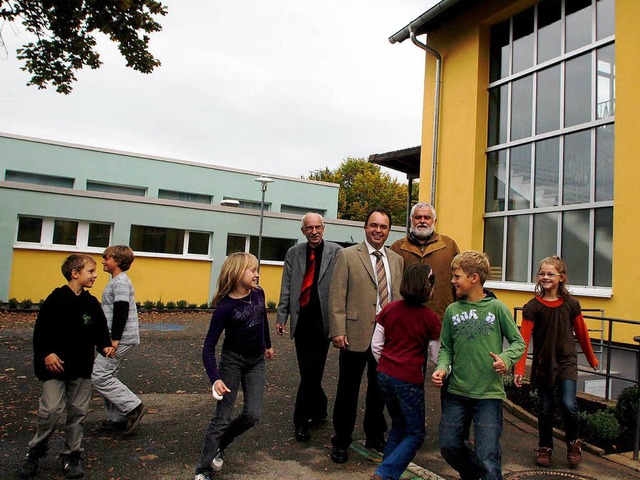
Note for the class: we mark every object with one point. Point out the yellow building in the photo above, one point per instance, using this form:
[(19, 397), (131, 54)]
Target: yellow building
[(533, 156)]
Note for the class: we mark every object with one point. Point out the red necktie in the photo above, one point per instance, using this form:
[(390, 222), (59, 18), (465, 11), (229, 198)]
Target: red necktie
[(307, 281)]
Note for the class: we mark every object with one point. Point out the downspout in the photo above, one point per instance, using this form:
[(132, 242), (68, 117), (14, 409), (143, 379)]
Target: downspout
[(436, 112)]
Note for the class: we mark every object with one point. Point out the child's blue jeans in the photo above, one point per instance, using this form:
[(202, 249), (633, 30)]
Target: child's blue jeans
[(568, 407), (236, 370), (486, 461), (405, 404)]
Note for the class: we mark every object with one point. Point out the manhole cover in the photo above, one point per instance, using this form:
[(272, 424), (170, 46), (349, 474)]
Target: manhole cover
[(545, 475), (162, 327)]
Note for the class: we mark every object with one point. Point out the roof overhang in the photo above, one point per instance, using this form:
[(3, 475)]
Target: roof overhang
[(431, 19), (406, 161)]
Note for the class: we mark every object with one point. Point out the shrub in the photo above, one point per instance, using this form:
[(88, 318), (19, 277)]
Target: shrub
[(149, 305), (182, 304), (627, 407), (192, 306), (170, 305), (26, 303), (13, 303), (271, 304), (204, 306), (601, 427), (160, 305)]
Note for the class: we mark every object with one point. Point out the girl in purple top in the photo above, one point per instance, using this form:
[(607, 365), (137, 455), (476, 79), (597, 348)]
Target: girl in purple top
[(240, 311), (401, 339)]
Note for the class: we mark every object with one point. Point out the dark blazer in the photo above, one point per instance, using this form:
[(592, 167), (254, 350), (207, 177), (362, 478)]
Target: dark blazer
[(295, 265), (354, 295)]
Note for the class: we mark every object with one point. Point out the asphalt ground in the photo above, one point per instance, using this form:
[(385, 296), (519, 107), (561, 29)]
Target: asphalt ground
[(167, 373)]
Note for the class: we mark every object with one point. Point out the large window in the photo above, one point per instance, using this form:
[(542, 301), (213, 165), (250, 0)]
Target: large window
[(51, 232), (550, 152), (172, 241), (273, 249)]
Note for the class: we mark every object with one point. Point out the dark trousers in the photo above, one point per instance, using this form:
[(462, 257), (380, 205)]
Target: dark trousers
[(352, 365), (311, 350)]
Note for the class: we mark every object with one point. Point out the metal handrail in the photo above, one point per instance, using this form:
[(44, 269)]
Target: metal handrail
[(610, 348)]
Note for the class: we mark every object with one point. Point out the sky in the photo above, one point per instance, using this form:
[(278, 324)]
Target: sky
[(282, 87)]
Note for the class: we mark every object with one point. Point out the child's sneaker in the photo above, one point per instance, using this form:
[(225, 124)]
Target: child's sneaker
[(202, 476), (574, 453), (543, 457), (72, 465), (218, 461), (29, 466), (134, 417)]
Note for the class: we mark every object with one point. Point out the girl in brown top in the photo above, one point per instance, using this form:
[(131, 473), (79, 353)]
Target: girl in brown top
[(551, 318)]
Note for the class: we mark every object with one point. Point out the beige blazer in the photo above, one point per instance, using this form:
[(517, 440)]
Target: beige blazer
[(353, 295)]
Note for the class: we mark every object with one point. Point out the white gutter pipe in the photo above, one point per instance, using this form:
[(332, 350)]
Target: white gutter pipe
[(436, 111)]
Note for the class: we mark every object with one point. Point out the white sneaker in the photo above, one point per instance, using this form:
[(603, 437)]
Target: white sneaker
[(218, 461), (202, 476)]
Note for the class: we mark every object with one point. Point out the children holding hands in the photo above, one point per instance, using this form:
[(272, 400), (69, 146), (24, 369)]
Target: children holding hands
[(68, 329)]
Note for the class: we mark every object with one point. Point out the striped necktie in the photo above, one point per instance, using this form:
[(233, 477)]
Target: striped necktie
[(381, 274)]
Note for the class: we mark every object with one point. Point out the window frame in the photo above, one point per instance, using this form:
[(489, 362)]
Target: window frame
[(185, 245), (46, 236), (505, 146)]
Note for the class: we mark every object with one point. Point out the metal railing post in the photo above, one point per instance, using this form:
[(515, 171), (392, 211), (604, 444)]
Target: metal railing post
[(636, 444)]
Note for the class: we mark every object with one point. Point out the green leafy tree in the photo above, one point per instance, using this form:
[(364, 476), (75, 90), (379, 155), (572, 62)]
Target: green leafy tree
[(65, 35), (364, 186)]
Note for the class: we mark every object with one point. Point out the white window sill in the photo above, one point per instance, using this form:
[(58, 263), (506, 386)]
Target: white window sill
[(596, 292)]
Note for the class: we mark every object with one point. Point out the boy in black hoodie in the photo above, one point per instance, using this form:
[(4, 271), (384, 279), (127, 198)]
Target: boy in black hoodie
[(70, 323)]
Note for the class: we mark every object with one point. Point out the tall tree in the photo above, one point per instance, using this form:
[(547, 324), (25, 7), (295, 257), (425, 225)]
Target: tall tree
[(364, 186), (65, 41)]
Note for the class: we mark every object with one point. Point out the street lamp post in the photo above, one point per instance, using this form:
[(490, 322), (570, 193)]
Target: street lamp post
[(264, 181)]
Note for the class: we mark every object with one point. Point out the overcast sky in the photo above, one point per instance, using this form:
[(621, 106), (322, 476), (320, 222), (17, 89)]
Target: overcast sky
[(276, 86)]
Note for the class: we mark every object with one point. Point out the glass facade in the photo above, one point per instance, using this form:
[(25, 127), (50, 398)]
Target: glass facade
[(549, 183)]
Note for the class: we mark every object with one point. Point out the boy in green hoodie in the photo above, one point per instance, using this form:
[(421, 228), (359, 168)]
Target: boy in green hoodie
[(472, 362)]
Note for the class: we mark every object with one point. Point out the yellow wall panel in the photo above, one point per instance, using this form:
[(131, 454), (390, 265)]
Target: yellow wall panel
[(35, 273), (463, 44)]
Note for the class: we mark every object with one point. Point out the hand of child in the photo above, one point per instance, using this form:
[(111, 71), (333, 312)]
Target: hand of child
[(53, 363), (109, 352), (280, 328), (115, 343), (269, 353), (438, 377), (498, 364), (218, 389), (517, 380)]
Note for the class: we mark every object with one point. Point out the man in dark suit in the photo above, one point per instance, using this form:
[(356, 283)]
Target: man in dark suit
[(366, 277), (304, 296)]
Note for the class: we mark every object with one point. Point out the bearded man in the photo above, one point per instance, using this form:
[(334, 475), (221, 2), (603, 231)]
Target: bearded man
[(424, 245)]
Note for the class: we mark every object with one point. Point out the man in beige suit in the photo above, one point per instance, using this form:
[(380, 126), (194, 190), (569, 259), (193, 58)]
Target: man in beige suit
[(354, 300)]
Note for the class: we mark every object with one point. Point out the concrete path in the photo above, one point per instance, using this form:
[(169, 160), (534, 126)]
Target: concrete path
[(167, 372)]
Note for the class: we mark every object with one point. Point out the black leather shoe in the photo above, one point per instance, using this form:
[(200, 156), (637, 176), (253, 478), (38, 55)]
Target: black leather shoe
[(377, 445), (339, 455), (302, 434)]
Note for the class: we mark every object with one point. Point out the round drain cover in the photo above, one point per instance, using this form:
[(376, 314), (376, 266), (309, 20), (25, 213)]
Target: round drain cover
[(546, 475)]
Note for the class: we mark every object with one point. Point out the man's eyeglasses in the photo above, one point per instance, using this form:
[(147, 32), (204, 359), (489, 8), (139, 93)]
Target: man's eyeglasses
[(550, 275), (314, 227)]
